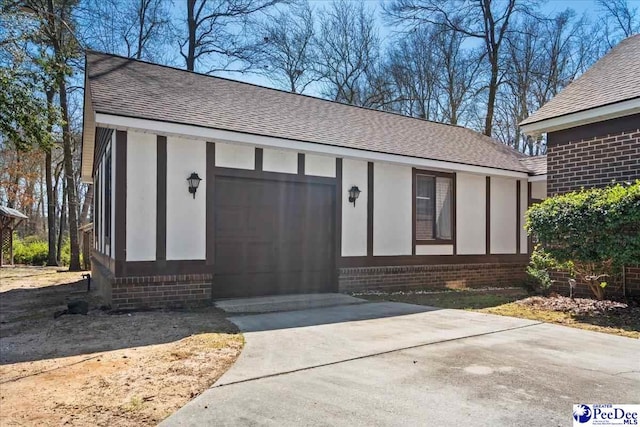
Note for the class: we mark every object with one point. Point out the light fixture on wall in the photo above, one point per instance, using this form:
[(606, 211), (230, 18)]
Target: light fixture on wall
[(354, 192), (194, 181)]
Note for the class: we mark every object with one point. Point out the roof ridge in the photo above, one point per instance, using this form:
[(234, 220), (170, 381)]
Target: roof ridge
[(171, 67)]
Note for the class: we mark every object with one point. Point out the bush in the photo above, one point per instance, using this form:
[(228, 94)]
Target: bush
[(598, 230), (31, 251)]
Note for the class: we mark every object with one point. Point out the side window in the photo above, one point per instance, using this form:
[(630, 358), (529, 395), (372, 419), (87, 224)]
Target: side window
[(434, 207)]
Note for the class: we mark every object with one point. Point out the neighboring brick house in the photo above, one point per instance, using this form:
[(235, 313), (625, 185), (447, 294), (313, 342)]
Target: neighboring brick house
[(593, 132)]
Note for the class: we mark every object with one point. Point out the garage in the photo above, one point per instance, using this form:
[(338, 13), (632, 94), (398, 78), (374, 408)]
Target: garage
[(273, 237)]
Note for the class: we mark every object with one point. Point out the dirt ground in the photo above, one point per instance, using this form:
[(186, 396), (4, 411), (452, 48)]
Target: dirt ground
[(100, 369)]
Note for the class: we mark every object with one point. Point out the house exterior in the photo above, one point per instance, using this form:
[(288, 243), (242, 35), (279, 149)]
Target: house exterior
[(593, 133), (276, 210)]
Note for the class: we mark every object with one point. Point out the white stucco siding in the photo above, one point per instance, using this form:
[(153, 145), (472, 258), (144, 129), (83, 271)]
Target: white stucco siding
[(539, 190), (392, 228), (319, 165), (141, 196), (235, 156), (471, 214), (282, 161), (503, 215), (434, 249), (524, 197), (354, 219), (113, 196), (186, 216)]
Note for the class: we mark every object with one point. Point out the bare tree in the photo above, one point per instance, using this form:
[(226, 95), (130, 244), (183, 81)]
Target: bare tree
[(459, 74), (136, 29), (216, 28), (620, 19), (487, 21), (348, 52), (413, 66), (287, 52)]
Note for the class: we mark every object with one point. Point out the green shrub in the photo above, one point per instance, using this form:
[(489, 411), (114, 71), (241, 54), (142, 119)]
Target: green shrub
[(597, 230), (31, 251)]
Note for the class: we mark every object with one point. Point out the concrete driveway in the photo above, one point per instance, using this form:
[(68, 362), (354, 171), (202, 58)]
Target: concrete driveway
[(400, 364)]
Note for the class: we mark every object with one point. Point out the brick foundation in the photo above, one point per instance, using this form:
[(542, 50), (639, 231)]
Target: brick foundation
[(452, 276), (168, 291), (614, 287)]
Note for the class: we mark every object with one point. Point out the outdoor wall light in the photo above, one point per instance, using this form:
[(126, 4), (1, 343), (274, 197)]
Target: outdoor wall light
[(194, 181), (354, 192)]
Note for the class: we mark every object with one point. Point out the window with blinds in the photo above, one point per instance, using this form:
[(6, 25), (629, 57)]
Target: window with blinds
[(434, 212)]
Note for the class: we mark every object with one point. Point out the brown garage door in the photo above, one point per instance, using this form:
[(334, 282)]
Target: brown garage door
[(273, 237)]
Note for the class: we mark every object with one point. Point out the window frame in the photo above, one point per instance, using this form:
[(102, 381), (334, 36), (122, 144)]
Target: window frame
[(433, 174)]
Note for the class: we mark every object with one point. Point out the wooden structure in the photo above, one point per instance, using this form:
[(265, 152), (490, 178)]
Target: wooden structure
[(86, 235), (9, 219)]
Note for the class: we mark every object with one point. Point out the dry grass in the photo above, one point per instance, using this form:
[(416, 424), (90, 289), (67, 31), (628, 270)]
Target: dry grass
[(127, 370), (566, 319)]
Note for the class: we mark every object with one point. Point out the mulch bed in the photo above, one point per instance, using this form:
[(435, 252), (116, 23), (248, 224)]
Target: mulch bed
[(625, 313)]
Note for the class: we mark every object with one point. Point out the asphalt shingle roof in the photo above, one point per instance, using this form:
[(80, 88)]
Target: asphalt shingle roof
[(126, 87), (613, 78), (536, 164)]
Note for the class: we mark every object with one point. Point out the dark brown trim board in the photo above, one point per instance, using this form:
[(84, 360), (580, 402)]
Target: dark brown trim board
[(258, 159), (163, 268), (102, 138), (370, 209), (301, 164), (594, 130), (120, 245), (518, 220), (338, 228), (454, 213), (273, 176), (161, 199), (401, 260), (529, 202), (413, 211), (488, 217), (210, 197)]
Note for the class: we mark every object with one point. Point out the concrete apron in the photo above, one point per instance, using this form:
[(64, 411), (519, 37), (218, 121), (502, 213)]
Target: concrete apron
[(279, 303), (278, 343)]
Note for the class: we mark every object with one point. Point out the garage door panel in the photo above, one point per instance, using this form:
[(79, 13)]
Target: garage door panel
[(273, 237)]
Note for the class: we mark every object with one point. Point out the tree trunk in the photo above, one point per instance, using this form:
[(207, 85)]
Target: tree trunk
[(191, 44), (491, 101), (88, 201), (51, 196), (63, 210), (72, 197)]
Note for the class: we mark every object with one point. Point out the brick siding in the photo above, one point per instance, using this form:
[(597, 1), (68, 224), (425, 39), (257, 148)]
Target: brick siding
[(593, 162), (170, 291), (452, 276), (614, 287)]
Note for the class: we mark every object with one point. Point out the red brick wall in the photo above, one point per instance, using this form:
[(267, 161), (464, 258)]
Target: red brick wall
[(161, 291), (452, 276), (151, 292), (592, 158), (615, 285)]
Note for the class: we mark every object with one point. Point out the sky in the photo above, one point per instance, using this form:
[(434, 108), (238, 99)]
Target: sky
[(550, 8)]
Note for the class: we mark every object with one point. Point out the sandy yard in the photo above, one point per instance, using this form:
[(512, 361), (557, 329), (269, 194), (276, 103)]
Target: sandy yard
[(100, 369)]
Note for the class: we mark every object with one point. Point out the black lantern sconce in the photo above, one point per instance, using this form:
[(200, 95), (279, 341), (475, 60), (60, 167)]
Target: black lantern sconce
[(194, 181), (354, 192)]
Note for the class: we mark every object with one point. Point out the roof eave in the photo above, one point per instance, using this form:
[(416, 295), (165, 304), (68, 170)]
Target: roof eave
[(114, 121), (580, 118)]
